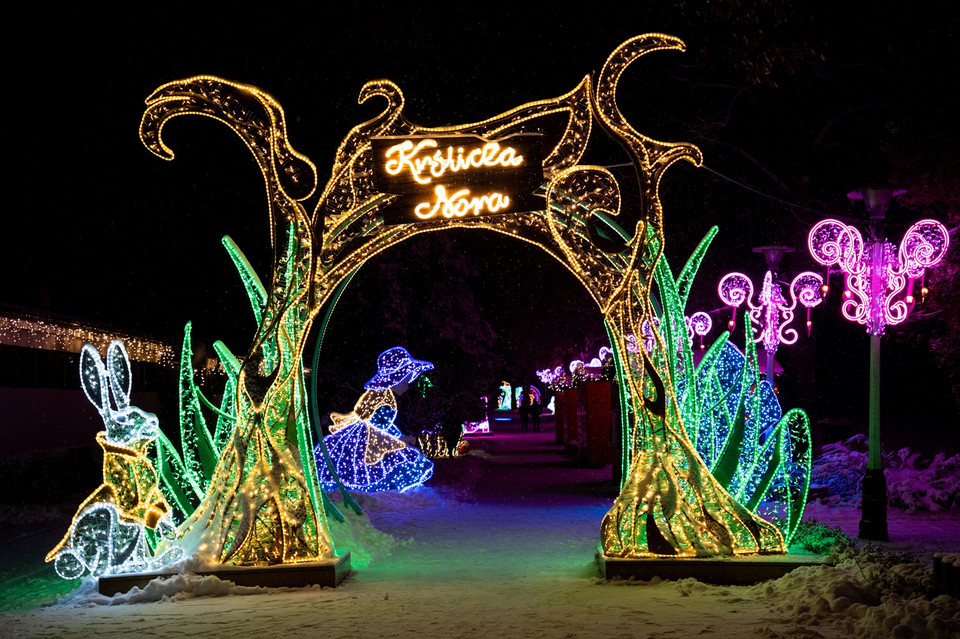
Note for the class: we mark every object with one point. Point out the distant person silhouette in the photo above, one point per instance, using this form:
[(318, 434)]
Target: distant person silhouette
[(535, 410), (524, 409)]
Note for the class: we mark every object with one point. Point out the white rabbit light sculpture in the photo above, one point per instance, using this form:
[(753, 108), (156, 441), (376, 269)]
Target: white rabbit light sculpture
[(107, 535)]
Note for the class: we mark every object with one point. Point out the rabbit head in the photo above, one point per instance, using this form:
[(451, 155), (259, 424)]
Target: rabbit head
[(108, 389)]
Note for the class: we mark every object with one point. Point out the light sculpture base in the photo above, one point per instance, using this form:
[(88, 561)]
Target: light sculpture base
[(873, 517), (742, 570), (324, 572)]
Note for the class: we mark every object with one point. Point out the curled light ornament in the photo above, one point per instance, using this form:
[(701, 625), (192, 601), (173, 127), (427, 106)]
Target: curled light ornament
[(772, 314), (879, 278), (923, 246), (698, 324)]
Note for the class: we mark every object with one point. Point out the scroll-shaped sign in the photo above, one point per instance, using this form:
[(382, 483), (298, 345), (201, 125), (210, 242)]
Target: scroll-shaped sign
[(457, 176)]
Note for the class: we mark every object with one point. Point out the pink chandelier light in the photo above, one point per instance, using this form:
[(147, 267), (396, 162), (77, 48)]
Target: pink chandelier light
[(879, 281), (879, 278), (772, 314)]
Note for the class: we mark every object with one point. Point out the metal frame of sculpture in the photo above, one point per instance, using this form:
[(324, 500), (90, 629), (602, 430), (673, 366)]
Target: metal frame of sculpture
[(262, 504)]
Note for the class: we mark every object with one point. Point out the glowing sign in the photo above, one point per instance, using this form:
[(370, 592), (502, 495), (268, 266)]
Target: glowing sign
[(405, 156), (457, 204), (457, 176)]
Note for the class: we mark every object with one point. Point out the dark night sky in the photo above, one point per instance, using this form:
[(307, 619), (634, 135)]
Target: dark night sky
[(101, 229)]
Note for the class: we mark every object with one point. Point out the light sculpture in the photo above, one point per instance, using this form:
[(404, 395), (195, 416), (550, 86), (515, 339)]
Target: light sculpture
[(108, 533), (772, 313), (185, 477), (580, 370), (755, 451), (529, 389), (434, 445), (879, 281), (698, 325), (265, 509), (477, 428), (505, 401), (365, 445), (549, 376)]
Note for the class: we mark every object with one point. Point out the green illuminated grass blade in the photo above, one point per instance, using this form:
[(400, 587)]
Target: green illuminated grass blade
[(685, 280), (173, 477), (227, 405), (199, 456), (251, 281)]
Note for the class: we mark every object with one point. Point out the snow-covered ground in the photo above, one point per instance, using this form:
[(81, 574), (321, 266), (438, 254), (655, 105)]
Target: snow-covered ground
[(502, 544)]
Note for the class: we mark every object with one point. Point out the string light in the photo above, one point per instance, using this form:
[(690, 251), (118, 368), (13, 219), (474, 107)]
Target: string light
[(32, 331)]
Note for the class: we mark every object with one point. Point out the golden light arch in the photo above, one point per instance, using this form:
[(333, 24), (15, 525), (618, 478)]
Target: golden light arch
[(262, 503)]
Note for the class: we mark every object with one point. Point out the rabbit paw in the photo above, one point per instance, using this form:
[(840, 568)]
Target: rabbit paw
[(68, 565)]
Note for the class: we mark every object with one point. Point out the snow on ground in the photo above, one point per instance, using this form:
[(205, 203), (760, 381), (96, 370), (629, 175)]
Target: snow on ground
[(502, 545)]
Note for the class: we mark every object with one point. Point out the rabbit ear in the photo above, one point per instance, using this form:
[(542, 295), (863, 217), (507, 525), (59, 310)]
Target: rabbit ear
[(118, 369), (93, 378)]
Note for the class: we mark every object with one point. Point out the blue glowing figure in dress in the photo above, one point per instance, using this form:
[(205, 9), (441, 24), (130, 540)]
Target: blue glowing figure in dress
[(364, 444)]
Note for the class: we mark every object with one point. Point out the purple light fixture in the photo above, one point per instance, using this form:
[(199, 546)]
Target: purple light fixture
[(772, 314), (879, 282)]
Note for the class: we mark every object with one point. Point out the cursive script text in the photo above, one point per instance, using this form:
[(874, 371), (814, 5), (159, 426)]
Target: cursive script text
[(459, 203), (424, 166)]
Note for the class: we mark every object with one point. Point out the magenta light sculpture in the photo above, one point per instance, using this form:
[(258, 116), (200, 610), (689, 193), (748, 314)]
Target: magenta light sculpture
[(879, 281), (772, 314)]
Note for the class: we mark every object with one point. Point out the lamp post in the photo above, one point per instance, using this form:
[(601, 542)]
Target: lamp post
[(772, 313), (878, 291)]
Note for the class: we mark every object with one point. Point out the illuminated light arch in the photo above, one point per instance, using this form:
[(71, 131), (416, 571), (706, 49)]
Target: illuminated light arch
[(669, 504)]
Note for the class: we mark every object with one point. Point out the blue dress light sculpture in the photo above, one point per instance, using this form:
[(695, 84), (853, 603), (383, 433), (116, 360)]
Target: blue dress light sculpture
[(364, 445)]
